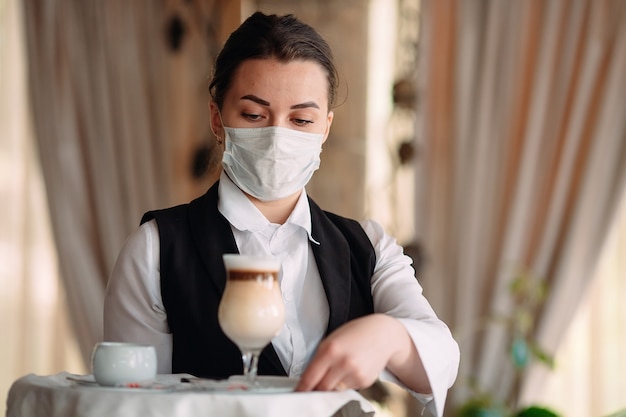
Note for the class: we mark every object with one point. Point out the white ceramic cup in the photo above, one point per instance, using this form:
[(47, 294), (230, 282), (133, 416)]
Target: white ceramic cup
[(116, 363)]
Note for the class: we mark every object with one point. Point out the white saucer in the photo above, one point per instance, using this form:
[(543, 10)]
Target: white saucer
[(238, 385), (87, 381)]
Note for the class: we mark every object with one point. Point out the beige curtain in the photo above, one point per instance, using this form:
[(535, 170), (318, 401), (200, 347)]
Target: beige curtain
[(32, 308), (590, 372), (118, 91), (523, 139)]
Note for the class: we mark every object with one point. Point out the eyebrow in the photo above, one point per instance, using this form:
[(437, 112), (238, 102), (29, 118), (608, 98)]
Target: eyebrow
[(305, 105), (255, 99), (266, 103)]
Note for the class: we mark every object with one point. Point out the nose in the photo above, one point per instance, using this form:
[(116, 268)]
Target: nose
[(278, 121)]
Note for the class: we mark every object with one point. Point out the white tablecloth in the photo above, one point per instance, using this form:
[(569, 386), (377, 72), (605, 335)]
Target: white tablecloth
[(55, 395)]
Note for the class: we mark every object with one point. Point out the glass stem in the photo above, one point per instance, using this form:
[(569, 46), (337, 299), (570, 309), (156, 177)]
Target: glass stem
[(250, 362)]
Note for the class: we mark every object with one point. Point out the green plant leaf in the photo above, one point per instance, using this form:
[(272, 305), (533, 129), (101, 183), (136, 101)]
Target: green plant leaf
[(541, 355), (535, 411), (519, 353), (478, 410), (524, 320)]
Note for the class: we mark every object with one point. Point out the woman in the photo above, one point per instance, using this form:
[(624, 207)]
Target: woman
[(354, 310)]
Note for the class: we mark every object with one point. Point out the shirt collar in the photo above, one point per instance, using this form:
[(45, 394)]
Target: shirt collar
[(235, 206)]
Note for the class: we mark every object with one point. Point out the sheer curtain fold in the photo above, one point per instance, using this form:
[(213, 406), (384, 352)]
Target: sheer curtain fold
[(599, 179), (601, 190), (521, 115), (100, 91), (32, 309), (63, 158)]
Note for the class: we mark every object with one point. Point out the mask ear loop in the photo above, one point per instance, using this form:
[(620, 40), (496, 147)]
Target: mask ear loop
[(218, 140)]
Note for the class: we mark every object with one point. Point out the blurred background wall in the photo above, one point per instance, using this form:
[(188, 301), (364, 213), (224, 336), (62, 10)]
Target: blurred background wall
[(486, 136)]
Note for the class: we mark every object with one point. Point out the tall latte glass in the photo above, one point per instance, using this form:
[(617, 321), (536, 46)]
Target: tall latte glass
[(251, 310)]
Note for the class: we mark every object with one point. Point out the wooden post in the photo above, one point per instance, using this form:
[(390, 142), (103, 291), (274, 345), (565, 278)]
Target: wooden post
[(229, 19)]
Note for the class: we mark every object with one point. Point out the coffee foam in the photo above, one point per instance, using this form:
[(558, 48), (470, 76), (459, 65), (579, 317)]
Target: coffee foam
[(248, 262)]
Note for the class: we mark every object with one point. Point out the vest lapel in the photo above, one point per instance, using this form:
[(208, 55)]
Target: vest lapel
[(213, 237), (332, 256)]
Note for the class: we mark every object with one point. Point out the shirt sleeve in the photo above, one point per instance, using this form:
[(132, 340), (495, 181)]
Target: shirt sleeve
[(397, 292), (133, 308)]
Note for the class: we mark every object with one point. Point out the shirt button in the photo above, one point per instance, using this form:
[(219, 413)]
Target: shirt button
[(296, 369)]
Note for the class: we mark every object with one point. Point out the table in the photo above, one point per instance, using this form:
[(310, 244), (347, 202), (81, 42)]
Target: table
[(55, 395)]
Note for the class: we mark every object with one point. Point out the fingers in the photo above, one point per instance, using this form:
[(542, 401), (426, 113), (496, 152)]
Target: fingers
[(324, 374), (327, 383), (351, 357), (318, 377), (332, 369), (341, 386)]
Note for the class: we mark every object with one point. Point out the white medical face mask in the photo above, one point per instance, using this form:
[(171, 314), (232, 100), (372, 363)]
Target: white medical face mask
[(271, 163)]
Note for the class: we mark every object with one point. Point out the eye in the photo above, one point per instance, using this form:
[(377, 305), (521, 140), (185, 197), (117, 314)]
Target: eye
[(251, 116), (302, 122)]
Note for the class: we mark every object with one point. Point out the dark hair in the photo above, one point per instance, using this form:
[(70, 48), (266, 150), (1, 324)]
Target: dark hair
[(261, 36)]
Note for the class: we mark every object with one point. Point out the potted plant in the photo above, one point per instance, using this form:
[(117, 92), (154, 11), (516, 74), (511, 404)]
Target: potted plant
[(528, 294)]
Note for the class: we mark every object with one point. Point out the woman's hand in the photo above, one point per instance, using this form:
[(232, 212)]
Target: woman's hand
[(353, 356)]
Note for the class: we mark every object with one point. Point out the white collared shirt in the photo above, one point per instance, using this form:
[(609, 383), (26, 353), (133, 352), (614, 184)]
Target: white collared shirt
[(134, 309), (306, 307)]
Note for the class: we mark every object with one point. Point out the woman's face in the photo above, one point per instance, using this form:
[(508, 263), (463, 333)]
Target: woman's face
[(266, 92)]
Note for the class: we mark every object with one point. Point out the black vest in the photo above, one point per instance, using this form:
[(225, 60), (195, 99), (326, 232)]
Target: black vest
[(193, 238)]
